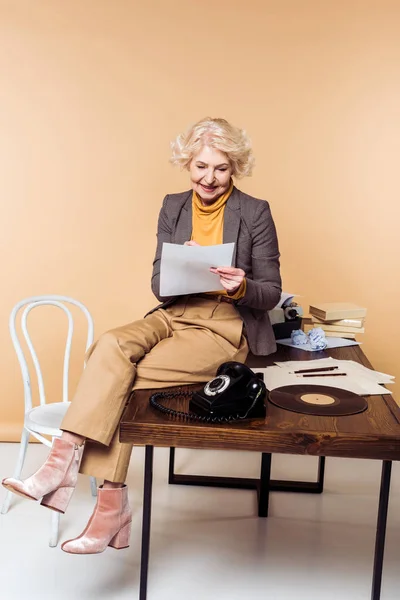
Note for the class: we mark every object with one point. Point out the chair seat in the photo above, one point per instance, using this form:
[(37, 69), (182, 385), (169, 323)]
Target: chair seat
[(46, 419)]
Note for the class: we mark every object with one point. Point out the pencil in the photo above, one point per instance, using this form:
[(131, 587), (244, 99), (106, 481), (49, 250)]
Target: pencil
[(323, 375), (314, 370)]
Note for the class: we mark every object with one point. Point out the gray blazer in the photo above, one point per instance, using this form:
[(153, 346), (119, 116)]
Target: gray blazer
[(248, 223)]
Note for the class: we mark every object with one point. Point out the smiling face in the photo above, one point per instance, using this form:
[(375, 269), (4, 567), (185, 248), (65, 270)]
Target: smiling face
[(210, 174)]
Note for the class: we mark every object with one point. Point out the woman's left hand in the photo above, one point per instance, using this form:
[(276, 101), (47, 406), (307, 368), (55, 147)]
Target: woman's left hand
[(230, 277)]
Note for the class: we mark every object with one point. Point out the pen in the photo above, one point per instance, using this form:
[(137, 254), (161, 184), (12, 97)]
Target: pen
[(314, 370), (323, 375)]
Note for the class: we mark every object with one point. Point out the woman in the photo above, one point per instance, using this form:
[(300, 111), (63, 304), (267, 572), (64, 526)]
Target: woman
[(181, 341)]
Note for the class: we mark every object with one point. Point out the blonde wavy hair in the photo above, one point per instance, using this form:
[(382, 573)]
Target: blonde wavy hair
[(219, 134)]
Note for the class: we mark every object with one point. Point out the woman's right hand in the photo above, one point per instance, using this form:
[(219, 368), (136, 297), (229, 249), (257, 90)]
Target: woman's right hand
[(191, 243)]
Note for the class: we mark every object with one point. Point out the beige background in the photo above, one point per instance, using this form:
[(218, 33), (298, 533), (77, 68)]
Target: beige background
[(92, 92)]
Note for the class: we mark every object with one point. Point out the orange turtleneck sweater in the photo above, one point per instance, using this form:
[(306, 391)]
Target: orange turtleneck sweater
[(208, 228)]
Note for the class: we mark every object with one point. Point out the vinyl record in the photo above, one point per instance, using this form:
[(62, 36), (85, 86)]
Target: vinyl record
[(318, 400)]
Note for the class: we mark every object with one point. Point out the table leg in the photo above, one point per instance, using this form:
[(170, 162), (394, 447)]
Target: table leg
[(263, 485), (381, 529), (321, 474), (171, 466), (146, 521)]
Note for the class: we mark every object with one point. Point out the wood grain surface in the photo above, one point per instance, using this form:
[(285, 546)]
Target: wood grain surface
[(374, 433)]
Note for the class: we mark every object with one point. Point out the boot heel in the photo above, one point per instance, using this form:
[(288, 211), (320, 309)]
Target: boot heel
[(121, 539), (58, 500)]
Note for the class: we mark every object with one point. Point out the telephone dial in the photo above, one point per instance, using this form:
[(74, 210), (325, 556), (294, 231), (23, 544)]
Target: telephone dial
[(235, 393)]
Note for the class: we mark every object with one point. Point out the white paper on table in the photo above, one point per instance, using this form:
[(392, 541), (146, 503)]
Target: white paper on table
[(275, 377), (294, 365), (285, 297), (186, 269), (332, 342), (350, 367), (357, 376), (353, 368)]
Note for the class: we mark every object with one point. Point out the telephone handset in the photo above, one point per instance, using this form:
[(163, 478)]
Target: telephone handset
[(235, 393)]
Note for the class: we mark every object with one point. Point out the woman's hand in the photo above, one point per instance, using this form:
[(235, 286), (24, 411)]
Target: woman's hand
[(230, 277)]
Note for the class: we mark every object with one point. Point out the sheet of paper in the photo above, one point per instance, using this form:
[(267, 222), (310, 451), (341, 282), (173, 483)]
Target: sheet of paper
[(357, 377), (333, 342), (285, 298), (343, 366), (357, 370), (294, 365), (275, 377), (186, 269)]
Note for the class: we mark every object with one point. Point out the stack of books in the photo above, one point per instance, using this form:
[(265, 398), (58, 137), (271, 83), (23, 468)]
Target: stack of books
[(339, 319)]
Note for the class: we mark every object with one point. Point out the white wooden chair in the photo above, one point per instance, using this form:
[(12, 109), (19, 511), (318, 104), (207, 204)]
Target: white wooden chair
[(44, 419)]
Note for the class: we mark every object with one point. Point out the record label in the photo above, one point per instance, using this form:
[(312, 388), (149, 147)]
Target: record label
[(318, 400), (321, 399)]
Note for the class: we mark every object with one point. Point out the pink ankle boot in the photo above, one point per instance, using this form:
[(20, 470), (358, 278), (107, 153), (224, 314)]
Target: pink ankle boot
[(109, 525), (55, 481)]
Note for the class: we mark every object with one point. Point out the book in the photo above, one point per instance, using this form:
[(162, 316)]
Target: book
[(344, 322), (306, 320), (351, 336), (342, 328), (332, 311)]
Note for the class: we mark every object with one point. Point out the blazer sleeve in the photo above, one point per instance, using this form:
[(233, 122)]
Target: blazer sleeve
[(164, 233), (264, 286)]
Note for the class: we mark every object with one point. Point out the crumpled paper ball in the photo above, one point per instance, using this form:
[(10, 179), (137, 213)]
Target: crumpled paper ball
[(317, 338), (298, 337)]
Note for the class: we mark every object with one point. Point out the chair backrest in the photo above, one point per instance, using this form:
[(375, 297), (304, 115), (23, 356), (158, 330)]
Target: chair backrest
[(31, 303)]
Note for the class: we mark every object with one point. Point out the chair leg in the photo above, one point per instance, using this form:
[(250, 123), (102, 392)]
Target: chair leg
[(18, 468), (55, 526), (93, 486)]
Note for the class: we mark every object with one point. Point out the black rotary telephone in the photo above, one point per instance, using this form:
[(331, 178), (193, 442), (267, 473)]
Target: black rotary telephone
[(235, 393)]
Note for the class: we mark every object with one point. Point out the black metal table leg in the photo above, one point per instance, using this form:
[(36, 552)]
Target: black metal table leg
[(381, 529), (321, 474), (264, 485), (304, 487), (146, 522), (171, 467)]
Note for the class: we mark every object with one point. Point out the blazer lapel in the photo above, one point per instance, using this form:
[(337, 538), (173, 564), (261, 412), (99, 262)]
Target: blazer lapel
[(183, 231), (232, 220)]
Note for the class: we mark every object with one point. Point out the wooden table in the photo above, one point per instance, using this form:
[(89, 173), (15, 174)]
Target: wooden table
[(373, 434)]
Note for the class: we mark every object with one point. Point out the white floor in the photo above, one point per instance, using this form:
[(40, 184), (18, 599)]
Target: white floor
[(208, 543)]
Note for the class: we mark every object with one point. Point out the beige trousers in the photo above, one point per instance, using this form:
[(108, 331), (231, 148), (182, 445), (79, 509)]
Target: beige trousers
[(182, 344)]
